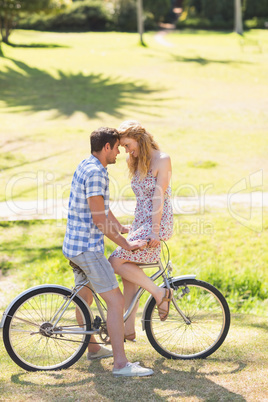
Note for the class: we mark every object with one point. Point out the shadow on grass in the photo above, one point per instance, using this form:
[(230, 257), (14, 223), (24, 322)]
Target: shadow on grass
[(203, 62), (22, 139), (33, 189), (170, 382), (33, 89), (244, 320), (34, 161), (38, 45), (40, 254), (29, 252), (18, 379)]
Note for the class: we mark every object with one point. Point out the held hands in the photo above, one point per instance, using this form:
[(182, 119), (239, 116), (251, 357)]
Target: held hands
[(136, 245), (153, 240)]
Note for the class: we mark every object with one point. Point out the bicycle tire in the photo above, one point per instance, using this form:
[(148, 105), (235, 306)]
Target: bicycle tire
[(208, 314), (24, 332)]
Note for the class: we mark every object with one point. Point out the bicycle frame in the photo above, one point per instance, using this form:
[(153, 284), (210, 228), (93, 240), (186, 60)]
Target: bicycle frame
[(62, 308), (167, 282)]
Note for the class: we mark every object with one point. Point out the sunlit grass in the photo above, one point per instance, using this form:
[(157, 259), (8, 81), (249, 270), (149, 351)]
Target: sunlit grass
[(231, 257), (214, 247), (204, 99), (236, 372)]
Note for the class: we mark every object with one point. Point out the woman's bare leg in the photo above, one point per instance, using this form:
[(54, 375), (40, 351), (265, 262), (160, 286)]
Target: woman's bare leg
[(132, 273)]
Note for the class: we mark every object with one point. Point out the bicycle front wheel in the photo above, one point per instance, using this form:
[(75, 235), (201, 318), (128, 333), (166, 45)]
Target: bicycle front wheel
[(33, 340), (196, 333)]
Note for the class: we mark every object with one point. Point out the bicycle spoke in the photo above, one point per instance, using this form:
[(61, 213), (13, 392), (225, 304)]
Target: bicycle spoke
[(31, 335), (203, 329)]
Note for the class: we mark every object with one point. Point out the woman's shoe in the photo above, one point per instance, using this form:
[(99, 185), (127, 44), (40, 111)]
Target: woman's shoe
[(130, 337), (163, 314)]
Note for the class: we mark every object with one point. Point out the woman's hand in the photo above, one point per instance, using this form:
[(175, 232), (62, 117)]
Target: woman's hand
[(154, 240), (125, 229)]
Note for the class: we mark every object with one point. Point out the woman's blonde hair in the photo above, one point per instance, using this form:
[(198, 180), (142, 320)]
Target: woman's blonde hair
[(133, 129)]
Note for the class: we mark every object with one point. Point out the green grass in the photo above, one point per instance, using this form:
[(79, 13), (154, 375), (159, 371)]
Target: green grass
[(229, 255), (236, 372), (213, 246), (204, 99)]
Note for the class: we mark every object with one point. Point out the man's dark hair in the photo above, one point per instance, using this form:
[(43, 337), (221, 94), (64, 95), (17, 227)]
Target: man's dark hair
[(101, 136)]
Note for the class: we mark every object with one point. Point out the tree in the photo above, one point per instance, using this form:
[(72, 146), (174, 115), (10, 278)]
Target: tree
[(238, 17), (140, 20), (10, 11)]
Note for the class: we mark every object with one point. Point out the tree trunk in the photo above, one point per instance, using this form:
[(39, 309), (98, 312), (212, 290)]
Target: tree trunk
[(238, 17), (6, 21), (140, 20)]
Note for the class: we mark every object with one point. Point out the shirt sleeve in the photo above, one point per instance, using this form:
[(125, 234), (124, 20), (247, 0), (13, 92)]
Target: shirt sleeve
[(95, 184)]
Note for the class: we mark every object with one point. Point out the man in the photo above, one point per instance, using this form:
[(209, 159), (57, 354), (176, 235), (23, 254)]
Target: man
[(89, 219)]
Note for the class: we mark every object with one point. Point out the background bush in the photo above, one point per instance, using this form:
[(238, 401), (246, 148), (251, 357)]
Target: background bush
[(87, 15), (91, 15), (121, 15), (204, 23), (160, 9), (253, 8), (219, 14), (125, 17)]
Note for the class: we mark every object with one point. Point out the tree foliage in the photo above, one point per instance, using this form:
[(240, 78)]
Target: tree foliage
[(126, 16), (159, 8), (10, 11), (87, 15), (255, 8), (222, 11), (213, 10)]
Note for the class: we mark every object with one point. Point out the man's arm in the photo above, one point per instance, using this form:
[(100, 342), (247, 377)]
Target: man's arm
[(121, 228), (108, 227)]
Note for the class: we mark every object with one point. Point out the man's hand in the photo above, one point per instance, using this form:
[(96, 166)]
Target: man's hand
[(154, 240), (136, 245)]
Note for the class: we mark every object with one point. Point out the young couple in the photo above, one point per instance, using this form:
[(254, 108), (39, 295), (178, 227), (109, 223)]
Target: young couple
[(89, 219)]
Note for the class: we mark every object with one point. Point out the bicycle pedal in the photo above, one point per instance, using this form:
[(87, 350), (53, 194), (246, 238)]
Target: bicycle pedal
[(97, 322)]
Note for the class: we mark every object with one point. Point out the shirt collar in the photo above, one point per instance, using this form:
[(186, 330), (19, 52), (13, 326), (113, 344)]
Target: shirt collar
[(96, 162)]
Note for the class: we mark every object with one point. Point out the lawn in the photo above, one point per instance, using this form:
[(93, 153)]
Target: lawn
[(228, 255), (204, 98), (236, 372)]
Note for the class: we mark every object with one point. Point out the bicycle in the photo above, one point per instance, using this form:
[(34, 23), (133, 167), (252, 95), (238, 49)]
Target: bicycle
[(48, 327)]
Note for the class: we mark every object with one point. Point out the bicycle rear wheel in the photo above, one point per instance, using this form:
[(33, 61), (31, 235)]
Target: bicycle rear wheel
[(208, 321), (28, 333)]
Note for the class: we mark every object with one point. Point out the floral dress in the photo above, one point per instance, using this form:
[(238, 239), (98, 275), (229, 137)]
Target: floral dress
[(142, 224)]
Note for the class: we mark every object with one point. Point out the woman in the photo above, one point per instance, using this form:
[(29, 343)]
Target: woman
[(150, 170)]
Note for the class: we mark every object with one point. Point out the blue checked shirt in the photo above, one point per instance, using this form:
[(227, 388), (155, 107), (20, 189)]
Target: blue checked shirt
[(90, 179)]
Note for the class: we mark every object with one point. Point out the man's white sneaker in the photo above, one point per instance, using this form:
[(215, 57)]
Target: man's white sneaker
[(132, 370), (101, 354)]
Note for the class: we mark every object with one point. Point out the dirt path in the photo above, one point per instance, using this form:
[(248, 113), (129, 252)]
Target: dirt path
[(58, 209), (160, 38)]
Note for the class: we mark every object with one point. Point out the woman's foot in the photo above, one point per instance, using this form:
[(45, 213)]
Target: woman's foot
[(130, 337), (165, 303)]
